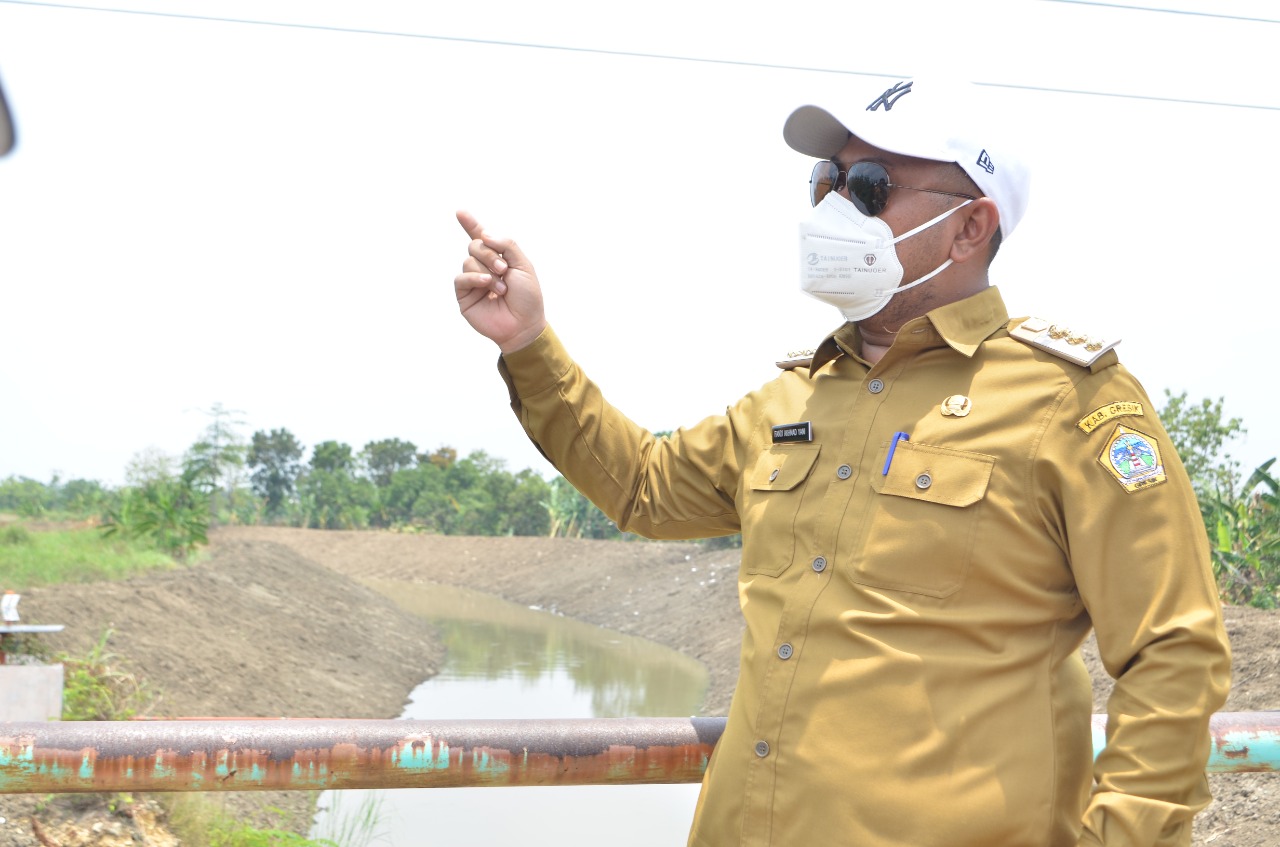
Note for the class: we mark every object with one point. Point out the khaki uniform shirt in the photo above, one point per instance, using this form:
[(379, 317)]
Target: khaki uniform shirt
[(910, 673)]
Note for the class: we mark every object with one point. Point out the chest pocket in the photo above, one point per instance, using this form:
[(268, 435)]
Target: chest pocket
[(920, 531), (774, 489)]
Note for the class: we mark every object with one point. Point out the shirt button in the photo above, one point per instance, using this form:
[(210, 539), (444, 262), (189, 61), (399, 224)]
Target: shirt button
[(819, 564), (924, 481), (785, 651), (875, 386), (762, 748), (844, 471)]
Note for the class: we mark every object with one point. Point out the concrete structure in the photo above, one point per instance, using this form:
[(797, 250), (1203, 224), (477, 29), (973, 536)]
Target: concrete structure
[(30, 692)]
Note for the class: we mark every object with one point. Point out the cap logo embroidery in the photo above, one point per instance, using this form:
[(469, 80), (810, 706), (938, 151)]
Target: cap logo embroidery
[(890, 97), (984, 162)]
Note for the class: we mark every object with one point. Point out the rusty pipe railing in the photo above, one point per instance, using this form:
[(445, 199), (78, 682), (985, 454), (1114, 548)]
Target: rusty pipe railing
[(314, 755)]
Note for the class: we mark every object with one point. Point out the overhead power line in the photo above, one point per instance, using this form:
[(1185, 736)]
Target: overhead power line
[(600, 51), (1165, 11), (1148, 97), (454, 38)]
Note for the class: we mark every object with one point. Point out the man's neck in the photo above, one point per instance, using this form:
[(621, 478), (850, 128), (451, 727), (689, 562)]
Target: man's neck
[(878, 331), (876, 337), (874, 352)]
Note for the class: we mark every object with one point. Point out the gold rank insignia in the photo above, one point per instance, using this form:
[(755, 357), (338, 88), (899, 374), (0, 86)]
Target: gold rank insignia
[(1062, 340), (957, 405), (1133, 458), (796, 359), (1102, 414)]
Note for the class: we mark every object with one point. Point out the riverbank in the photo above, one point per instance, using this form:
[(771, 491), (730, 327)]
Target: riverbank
[(275, 622)]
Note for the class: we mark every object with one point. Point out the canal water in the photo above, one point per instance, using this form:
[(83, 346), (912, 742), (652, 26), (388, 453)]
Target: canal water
[(508, 661)]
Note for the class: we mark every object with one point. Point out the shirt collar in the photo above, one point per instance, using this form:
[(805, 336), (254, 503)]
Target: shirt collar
[(967, 323), (962, 325)]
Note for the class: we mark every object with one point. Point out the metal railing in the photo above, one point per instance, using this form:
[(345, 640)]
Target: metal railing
[(315, 755)]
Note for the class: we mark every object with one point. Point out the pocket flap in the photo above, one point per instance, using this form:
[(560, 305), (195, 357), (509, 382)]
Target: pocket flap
[(783, 466), (935, 474)]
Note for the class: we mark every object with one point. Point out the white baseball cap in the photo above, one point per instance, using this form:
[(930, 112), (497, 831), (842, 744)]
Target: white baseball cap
[(927, 119)]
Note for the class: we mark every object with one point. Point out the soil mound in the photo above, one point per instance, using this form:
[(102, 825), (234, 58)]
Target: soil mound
[(254, 630), (275, 622)]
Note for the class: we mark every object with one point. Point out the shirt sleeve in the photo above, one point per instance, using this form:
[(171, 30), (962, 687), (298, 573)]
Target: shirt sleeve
[(1110, 489), (674, 488)]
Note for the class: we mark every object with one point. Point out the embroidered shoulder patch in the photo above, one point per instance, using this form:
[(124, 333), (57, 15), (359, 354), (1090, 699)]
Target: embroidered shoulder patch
[(1133, 458), (1102, 414)]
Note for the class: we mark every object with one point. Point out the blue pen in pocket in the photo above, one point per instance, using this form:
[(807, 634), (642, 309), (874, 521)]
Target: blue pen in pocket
[(893, 445)]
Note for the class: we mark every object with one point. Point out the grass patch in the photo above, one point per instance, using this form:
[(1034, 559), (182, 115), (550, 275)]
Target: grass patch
[(348, 825), (198, 820), (29, 558)]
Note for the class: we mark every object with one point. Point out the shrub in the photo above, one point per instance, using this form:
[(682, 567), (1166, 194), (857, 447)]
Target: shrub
[(15, 535), (96, 688)]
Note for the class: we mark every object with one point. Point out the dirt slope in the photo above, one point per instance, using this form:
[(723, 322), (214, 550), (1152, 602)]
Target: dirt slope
[(255, 630), (274, 622)]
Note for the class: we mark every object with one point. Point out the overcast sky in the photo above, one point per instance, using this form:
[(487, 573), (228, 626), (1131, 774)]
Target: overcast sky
[(257, 210)]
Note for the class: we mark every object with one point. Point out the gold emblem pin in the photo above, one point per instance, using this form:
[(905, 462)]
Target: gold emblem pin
[(957, 405)]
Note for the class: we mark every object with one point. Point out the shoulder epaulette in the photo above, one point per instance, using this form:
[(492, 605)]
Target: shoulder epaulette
[(1077, 347), (796, 359)]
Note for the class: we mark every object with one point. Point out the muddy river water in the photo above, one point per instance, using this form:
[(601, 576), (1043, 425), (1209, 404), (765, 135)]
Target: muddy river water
[(508, 661)]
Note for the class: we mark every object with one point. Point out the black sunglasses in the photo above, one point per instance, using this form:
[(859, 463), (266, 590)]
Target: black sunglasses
[(868, 185)]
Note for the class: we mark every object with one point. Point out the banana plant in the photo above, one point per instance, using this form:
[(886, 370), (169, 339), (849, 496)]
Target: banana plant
[(1244, 540)]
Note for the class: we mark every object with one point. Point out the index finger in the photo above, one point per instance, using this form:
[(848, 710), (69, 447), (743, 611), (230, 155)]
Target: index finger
[(470, 224), (495, 243)]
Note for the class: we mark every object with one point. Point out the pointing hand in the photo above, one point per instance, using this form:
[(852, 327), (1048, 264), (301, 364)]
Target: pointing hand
[(498, 290)]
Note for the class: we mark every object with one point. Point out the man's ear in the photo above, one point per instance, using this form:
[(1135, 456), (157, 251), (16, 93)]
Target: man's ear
[(980, 224)]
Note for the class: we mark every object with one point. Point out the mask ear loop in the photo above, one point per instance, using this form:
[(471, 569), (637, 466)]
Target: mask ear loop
[(939, 269), (930, 223)]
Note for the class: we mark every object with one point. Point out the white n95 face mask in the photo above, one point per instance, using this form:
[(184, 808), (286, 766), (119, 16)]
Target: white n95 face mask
[(848, 259)]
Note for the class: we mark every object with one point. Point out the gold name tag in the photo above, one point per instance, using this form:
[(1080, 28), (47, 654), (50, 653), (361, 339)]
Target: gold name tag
[(1099, 416)]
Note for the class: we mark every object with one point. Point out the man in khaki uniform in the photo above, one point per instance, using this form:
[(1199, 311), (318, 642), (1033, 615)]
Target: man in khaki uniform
[(935, 508)]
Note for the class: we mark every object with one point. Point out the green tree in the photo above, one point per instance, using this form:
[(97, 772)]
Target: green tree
[(331, 456), (28, 497), (172, 514), (330, 495), (381, 459), (275, 462), (336, 500), (406, 486), (215, 462), (472, 496), (525, 514), (442, 458), (572, 515), (1241, 519), (82, 497), (1200, 434)]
